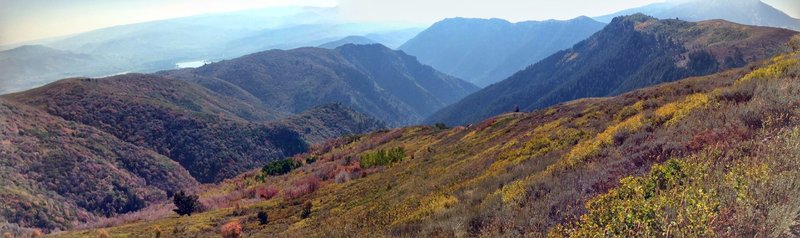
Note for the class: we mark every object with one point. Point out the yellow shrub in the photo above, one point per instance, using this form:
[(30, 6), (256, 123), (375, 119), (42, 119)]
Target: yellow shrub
[(780, 65), (590, 147), (668, 201), (429, 206), (674, 112)]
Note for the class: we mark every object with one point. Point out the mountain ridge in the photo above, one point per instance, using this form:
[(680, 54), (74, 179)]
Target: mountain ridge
[(629, 53)]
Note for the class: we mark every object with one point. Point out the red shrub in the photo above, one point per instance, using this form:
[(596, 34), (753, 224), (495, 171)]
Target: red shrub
[(232, 229), (266, 192), (302, 187)]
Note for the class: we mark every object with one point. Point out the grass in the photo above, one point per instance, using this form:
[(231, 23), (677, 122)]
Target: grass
[(673, 160)]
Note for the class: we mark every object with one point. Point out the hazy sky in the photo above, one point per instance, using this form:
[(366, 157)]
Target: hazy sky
[(24, 20)]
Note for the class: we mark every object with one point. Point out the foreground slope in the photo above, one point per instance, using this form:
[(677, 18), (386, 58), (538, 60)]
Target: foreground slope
[(629, 53), (56, 172), (485, 51), (705, 156), (372, 79)]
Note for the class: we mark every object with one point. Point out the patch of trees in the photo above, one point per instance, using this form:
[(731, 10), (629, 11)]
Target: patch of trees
[(382, 157), (280, 167)]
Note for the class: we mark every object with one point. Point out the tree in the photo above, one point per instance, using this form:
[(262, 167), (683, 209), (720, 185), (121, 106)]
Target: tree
[(186, 204), (306, 210), (263, 218)]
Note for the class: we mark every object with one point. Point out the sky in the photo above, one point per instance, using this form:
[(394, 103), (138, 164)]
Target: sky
[(26, 20)]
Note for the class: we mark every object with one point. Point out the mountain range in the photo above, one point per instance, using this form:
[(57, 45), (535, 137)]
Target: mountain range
[(485, 51), (715, 155), (372, 79), (629, 53), (160, 45), (748, 12)]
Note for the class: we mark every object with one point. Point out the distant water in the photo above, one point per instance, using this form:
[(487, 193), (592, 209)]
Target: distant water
[(191, 64)]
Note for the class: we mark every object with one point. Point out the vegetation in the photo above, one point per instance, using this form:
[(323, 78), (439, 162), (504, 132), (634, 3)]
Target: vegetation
[(382, 157), (704, 156), (280, 167), (263, 218), (232, 229), (186, 204)]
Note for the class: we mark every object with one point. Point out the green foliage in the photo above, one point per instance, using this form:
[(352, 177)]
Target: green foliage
[(668, 201), (382, 157), (280, 167), (186, 204)]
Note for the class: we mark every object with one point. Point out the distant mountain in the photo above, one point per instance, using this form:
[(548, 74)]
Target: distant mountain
[(159, 45), (749, 12), (55, 172), (485, 51), (394, 38), (372, 79), (631, 52), (214, 137), (33, 65), (356, 40)]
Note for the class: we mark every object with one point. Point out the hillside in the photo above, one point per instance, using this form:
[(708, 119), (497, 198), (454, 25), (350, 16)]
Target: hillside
[(705, 156), (212, 136), (56, 172), (372, 79), (485, 51), (629, 53), (748, 12)]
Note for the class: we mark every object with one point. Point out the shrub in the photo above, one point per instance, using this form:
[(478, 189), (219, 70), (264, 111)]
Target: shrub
[(668, 201), (157, 231), (232, 229), (382, 157), (280, 167), (103, 233), (263, 218), (186, 204), (440, 126), (302, 187), (306, 212), (266, 192)]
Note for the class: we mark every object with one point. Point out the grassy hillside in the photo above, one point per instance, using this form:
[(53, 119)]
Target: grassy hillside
[(713, 155), (630, 52)]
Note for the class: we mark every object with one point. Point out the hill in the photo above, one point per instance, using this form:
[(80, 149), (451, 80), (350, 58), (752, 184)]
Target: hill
[(485, 51), (212, 136), (714, 155), (356, 40), (33, 65), (372, 79), (748, 12), (57, 172), (629, 53)]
